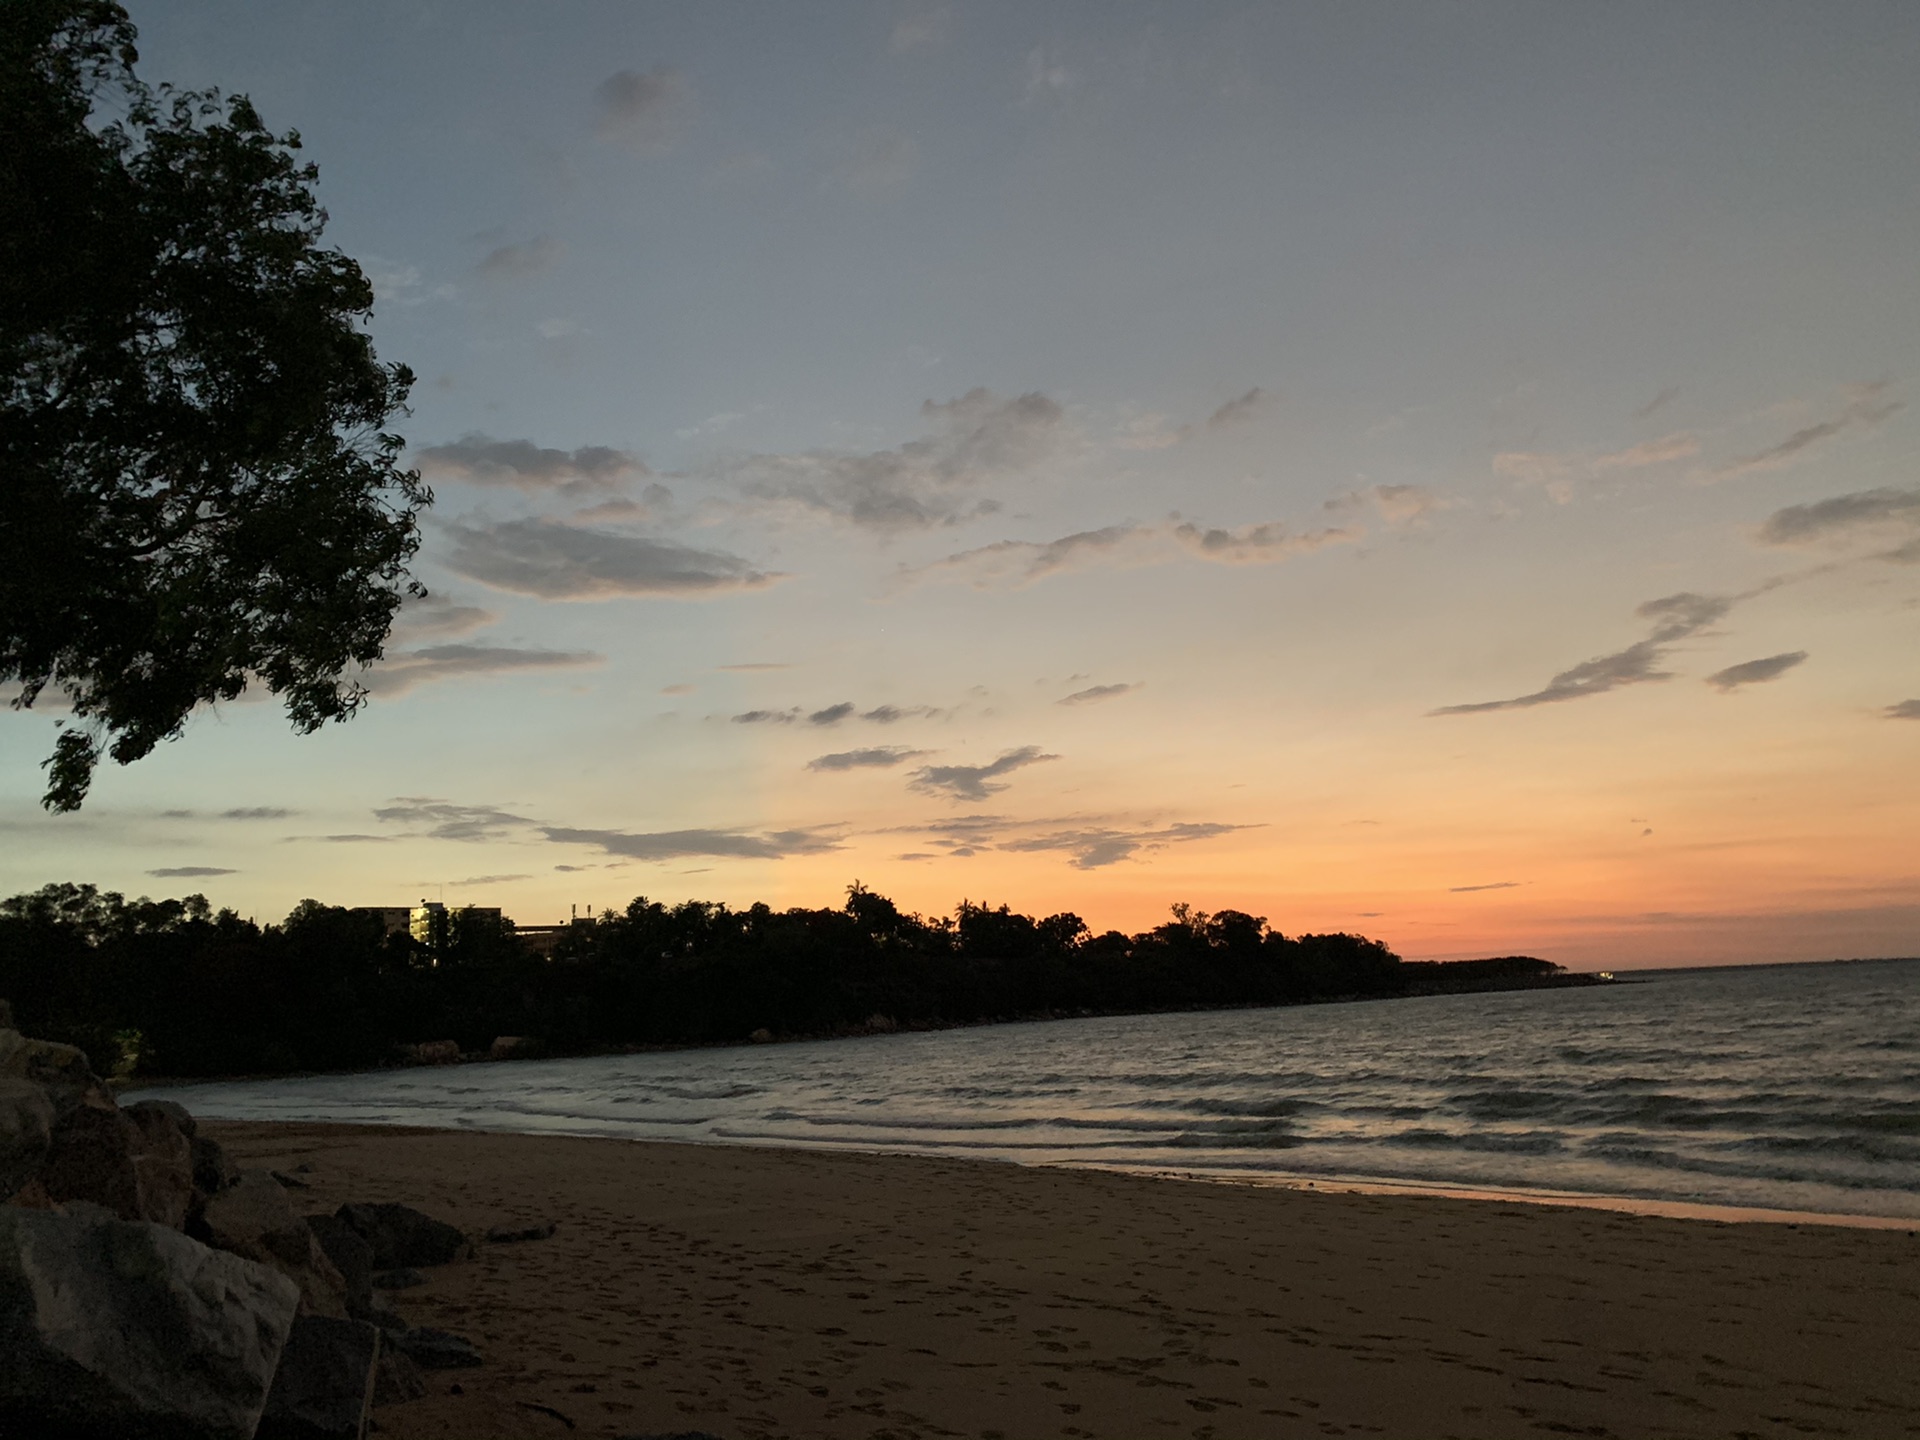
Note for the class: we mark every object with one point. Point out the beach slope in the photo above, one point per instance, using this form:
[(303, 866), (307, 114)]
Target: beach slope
[(794, 1293)]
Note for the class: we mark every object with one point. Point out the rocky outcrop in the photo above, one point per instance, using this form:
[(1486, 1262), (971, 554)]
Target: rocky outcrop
[(26, 1132), (351, 1256), (128, 1328), (401, 1236), (434, 1052), (325, 1384), (253, 1217)]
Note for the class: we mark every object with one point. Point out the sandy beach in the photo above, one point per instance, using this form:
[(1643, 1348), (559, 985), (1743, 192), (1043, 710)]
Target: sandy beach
[(794, 1293)]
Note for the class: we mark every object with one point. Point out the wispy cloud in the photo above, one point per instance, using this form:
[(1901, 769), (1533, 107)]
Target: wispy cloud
[(1095, 693), (935, 480), (878, 757), (768, 717), (974, 782), (407, 670), (439, 819), (519, 262), (832, 714), (1904, 710), (1866, 406), (1546, 467), (1754, 672), (680, 844), (1495, 885), (1095, 847), (1885, 516), (919, 30), (437, 616), (482, 460), (258, 812), (1015, 564), (642, 110), (1674, 617), (552, 561), (1240, 409), (189, 872)]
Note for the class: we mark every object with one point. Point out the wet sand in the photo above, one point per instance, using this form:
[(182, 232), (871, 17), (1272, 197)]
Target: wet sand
[(793, 1293)]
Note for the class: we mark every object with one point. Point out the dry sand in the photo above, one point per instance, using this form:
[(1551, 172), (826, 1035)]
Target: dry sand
[(791, 1293)]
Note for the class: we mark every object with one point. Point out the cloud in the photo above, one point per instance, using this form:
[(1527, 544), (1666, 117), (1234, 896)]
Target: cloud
[(877, 757), (832, 715), (189, 872), (679, 844), (755, 666), (1753, 672), (429, 616), (1398, 504), (1239, 410), (1096, 847), (1864, 407), (768, 717), (481, 880), (976, 439), (1904, 710), (406, 670), (921, 30), (643, 111), (518, 262), (893, 714), (1884, 514), (877, 158), (256, 812), (444, 820), (1675, 617), (553, 561), (1659, 402), (1015, 564), (1095, 693), (1046, 76), (482, 460), (1496, 885), (974, 782), (1256, 544), (1547, 467)]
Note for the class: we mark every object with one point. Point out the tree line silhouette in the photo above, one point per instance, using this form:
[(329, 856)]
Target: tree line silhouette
[(172, 987)]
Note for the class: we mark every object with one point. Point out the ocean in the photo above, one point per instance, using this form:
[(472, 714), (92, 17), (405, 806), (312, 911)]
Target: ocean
[(1789, 1088)]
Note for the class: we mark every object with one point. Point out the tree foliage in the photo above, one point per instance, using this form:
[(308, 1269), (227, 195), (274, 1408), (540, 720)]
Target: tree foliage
[(200, 488), (175, 989)]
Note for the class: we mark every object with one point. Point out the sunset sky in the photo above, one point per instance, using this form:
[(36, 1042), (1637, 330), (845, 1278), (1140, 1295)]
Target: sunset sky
[(1443, 470)]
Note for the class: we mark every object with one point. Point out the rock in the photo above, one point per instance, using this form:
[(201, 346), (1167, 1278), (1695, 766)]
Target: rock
[(62, 1070), (212, 1170), (351, 1256), (434, 1052), (434, 1349), (510, 1234), (290, 1182), (26, 1132), (398, 1378), (380, 1312), (402, 1236), (253, 1217), (762, 1036), (401, 1279), (507, 1047), (882, 1024), (324, 1386), (126, 1328), (91, 1157), (162, 1163), (181, 1116)]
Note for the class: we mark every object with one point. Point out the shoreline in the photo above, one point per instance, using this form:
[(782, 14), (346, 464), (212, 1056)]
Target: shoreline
[(786, 1293)]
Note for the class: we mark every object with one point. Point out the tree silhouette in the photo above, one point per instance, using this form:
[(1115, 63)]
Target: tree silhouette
[(200, 488)]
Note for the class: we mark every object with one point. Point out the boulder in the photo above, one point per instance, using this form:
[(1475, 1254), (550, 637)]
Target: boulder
[(62, 1070), (127, 1328), (402, 1236), (398, 1378), (26, 1132), (509, 1047), (162, 1163), (212, 1170), (351, 1256), (179, 1113), (324, 1386), (405, 1278), (434, 1052), (434, 1349), (91, 1157), (253, 1217)]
